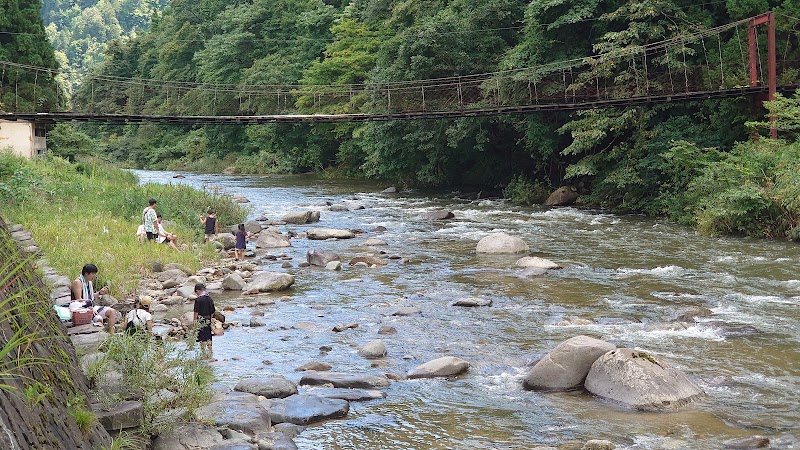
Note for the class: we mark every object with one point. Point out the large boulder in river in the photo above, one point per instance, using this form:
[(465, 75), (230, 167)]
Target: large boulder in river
[(227, 240), (567, 365), (640, 381), (237, 411), (301, 217), (321, 257), (269, 281), (373, 349), (344, 380), (270, 239), (563, 196), (473, 301), (351, 395), (271, 386), (251, 226), (329, 233), (188, 436), (445, 366), (501, 243), (233, 282), (305, 409)]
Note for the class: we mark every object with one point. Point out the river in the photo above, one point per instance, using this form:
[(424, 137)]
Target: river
[(624, 273)]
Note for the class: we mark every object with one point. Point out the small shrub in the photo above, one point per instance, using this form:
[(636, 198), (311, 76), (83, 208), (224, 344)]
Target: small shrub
[(153, 368), (522, 191), (84, 418), (95, 370), (16, 179)]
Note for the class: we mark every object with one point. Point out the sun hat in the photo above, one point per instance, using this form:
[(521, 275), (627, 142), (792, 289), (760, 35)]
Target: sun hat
[(145, 301)]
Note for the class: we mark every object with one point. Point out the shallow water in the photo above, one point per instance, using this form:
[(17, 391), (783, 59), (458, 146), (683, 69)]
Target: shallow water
[(622, 272)]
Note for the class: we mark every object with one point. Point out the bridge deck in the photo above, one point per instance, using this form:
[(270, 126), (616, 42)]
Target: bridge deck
[(52, 117)]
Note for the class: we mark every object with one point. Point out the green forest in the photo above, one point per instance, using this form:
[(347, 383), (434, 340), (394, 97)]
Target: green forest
[(694, 162), (79, 30)]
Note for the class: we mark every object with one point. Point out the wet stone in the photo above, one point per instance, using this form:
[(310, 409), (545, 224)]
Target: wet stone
[(747, 443), (240, 445), (339, 327), (274, 386), (238, 411), (344, 380), (274, 440), (305, 409), (353, 395), (316, 366), (406, 311), (472, 302)]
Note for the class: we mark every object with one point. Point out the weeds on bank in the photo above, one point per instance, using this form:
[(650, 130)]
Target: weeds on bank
[(125, 441), (23, 311), (171, 377), (88, 212), (80, 412), (36, 392)]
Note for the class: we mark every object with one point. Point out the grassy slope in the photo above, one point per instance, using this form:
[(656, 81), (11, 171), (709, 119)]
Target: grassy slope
[(88, 213)]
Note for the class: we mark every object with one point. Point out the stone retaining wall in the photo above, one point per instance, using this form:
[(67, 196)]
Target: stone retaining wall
[(39, 419)]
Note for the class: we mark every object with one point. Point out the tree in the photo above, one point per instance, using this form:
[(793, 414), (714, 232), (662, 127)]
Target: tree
[(23, 42)]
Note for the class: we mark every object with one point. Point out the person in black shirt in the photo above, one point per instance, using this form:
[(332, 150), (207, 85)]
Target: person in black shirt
[(203, 310), (211, 226)]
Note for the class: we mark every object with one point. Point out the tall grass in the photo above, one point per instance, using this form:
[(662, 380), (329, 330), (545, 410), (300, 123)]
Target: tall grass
[(88, 212), (23, 315), (172, 378)]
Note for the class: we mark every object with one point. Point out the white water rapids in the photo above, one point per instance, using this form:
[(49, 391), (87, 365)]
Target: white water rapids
[(626, 274)]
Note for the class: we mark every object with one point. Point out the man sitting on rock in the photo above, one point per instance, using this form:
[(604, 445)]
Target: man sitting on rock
[(83, 296)]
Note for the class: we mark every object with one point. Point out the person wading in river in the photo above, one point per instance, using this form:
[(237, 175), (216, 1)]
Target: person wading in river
[(203, 310)]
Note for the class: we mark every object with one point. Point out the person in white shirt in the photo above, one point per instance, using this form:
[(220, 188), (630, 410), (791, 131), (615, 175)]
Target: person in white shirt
[(83, 296), (164, 237), (140, 316)]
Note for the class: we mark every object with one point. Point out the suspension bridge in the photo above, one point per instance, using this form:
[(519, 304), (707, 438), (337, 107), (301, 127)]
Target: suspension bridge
[(740, 59)]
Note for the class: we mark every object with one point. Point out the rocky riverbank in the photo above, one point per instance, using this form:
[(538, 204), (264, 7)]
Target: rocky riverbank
[(269, 411)]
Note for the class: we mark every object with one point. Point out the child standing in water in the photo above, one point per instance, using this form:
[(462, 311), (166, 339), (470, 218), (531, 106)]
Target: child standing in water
[(203, 310), (210, 222), (241, 242)]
